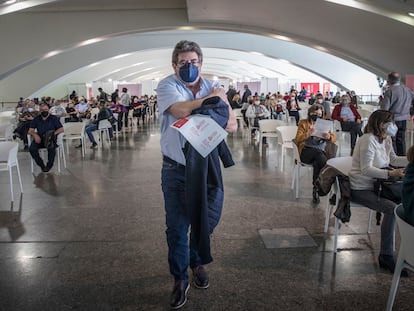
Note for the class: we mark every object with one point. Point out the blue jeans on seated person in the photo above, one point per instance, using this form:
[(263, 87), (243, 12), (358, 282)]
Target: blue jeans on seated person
[(34, 152), (89, 129), (180, 257)]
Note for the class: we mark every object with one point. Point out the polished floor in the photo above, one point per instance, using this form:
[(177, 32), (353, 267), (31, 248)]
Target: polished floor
[(93, 238)]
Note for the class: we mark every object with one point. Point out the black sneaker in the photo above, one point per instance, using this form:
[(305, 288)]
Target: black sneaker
[(94, 145), (179, 294), (200, 277), (315, 195)]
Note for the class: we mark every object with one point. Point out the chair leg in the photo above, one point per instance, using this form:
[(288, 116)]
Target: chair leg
[(369, 221), (336, 235), (297, 180), (327, 212), (292, 186), (63, 155), (11, 184), (395, 282), (18, 175)]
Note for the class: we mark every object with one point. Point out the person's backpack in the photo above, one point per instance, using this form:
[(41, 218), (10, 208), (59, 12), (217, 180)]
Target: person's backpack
[(50, 139)]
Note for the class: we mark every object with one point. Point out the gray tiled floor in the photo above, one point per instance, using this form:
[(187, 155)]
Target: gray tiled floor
[(93, 238)]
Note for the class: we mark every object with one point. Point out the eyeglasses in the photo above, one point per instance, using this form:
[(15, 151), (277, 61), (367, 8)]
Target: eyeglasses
[(183, 62)]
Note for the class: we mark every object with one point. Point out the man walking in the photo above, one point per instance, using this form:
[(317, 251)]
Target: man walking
[(397, 99)]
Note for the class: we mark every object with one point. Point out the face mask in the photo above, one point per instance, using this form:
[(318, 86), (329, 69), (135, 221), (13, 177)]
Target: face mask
[(314, 117), (44, 114), (135, 100), (257, 102), (320, 100), (345, 103), (189, 72), (392, 129), (30, 109)]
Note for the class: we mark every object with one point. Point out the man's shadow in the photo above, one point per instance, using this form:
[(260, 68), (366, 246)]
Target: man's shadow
[(46, 182), (12, 220)]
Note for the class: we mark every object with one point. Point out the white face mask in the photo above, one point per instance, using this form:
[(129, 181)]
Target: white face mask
[(392, 129), (257, 102), (320, 100)]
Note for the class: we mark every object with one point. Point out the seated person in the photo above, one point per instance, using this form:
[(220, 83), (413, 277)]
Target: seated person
[(325, 104), (93, 126), (83, 108), (349, 117), (38, 128), (26, 115), (257, 112), (372, 157), (292, 106), (311, 148), (408, 186), (276, 108), (235, 102), (58, 110), (72, 114)]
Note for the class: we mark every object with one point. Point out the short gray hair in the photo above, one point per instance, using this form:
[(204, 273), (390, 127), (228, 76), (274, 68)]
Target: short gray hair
[(186, 46)]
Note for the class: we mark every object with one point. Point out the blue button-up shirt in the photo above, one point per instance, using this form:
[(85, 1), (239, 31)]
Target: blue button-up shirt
[(170, 91)]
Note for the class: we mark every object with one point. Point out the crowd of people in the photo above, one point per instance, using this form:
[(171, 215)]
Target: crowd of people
[(378, 151)]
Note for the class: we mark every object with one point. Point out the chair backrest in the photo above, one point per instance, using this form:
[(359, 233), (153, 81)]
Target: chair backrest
[(287, 132), (74, 128), (342, 164), (8, 152), (406, 232), (6, 131), (8, 113), (237, 113), (104, 124), (269, 125), (364, 113), (296, 155)]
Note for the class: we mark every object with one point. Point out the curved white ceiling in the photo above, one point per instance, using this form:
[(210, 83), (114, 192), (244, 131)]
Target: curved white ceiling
[(59, 52)]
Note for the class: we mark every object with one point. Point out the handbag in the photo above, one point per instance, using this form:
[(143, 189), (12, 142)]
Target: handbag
[(390, 189)]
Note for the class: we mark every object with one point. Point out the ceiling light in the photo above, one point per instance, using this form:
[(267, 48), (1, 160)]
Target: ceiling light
[(10, 2), (411, 14)]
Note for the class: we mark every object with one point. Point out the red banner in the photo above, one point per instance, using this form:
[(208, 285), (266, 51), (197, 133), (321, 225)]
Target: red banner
[(311, 87), (409, 81)]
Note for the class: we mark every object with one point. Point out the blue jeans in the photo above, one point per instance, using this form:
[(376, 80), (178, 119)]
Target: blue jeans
[(180, 253), (89, 129)]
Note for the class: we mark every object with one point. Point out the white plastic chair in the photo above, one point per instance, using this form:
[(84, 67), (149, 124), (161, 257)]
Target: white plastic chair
[(60, 152), (239, 117), (267, 128), (344, 165), (6, 132), (8, 159), (286, 133), (405, 254), (337, 129), (297, 164), (74, 131), (103, 127)]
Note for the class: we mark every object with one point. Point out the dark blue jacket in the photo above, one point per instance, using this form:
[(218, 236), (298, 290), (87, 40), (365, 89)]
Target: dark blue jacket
[(408, 194), (204, 183)]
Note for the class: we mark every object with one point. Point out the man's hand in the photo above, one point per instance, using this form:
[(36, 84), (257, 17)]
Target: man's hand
[(37, 138)]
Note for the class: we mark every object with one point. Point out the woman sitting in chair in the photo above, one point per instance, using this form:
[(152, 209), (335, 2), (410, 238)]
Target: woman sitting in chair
[(373, 155), (312, 148)]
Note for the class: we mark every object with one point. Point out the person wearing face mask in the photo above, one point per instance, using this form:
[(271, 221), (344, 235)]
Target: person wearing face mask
[(398, 100), (178, 96), (349, 117), (326, 107), (312, 148), (292, 106), (40, 125), (255, 113), (373, 157)]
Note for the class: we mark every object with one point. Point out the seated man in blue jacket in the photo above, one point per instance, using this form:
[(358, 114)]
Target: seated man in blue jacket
[(40, 125)]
